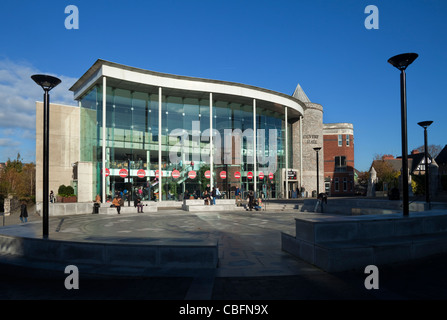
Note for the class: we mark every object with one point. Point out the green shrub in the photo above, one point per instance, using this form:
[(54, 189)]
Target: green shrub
[(65, 191), (418, 184)]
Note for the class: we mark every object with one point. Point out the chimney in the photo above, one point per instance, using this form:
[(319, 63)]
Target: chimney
[(415, 151), (387, 157)]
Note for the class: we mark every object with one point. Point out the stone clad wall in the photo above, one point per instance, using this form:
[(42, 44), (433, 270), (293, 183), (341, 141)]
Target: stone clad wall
[(11, 205), (64, 146), (312, 123)]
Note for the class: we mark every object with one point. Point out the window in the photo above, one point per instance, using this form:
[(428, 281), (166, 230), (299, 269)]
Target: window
[(345, 184), (336, 186), (340, 164), (340, 140), (347, 140)]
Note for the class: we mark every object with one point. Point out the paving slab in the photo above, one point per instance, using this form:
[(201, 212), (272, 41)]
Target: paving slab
[(251, 263)]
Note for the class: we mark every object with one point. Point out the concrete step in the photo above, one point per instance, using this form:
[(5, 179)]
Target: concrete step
[(352, 242), (217, 207), (112, 210), (165, 253), (280, 207)]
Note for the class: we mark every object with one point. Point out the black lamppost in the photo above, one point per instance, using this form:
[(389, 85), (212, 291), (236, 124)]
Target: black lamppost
[(47, 83), (425, 125), (318, 173), (401, 62)]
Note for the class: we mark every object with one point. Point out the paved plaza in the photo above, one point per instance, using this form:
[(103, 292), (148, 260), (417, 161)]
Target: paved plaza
[(251, 264)]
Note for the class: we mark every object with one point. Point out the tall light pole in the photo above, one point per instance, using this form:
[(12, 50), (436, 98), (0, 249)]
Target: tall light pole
[(425, 125), (47, 83), (318, 173), (401, 62)]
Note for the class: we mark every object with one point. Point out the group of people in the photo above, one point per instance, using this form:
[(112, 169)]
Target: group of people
[(118, 202), (210, 197), (252, 202)]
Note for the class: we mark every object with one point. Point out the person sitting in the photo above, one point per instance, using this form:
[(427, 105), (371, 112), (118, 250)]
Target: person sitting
[(117, 203), (139, 205), (206, 197), (258, 204)]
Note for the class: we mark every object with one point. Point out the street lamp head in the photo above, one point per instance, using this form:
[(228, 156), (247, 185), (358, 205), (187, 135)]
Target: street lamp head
[(45, 81), (402, 61), (425, 124), (317, 149)]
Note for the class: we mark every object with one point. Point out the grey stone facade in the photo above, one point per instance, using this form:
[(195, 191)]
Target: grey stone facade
[(312, 136)]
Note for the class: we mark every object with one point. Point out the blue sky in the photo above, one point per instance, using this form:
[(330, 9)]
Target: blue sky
[(321, 44)]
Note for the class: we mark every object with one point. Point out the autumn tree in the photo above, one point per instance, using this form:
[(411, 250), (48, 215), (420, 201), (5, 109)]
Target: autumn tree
[(385, 173), (433, 150), (18, 179)]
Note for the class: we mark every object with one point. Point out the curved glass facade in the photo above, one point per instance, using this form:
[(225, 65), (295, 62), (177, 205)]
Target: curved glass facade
[(196, 140)]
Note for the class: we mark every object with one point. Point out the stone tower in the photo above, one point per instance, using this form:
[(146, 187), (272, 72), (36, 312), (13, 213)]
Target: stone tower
[(311, 133)]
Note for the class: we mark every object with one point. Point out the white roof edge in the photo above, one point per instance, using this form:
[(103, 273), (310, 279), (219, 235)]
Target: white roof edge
[(187, 83)]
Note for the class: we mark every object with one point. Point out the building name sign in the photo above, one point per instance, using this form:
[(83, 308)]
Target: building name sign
[(291, 175), (310, 138)]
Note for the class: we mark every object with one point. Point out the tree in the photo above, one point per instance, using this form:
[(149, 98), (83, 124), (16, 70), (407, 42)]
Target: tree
[(18, 179), (385, 173), (433, 150)]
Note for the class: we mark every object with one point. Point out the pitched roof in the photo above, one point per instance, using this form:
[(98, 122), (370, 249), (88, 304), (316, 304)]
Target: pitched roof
[(300, 94), (441, 159), (395, 164)]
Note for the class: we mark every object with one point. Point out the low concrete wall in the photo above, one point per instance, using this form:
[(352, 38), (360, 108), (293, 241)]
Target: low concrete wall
[(123, 210), (344, 243), (199, 255), (62, 209), (362, 206), (199, 205)]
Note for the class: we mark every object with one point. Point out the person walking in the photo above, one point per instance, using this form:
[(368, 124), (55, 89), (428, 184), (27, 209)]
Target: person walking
[(250, 200), (238, 196), (213, 196), (23, 212)]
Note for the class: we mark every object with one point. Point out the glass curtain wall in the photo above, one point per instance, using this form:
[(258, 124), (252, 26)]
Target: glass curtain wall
[(132, 145), (185, 147), (270, 150), (91, 134)]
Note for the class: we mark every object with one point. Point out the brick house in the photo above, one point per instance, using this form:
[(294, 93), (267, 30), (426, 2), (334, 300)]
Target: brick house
[(338, 142)]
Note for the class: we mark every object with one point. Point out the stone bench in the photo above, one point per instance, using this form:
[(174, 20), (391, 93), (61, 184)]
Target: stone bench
[(106, 209), (169, 254), (199, 205), (345, 243)]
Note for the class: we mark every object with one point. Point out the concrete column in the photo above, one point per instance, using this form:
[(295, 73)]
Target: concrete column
[(104, 105), (211, 143), (287, 156), (159, 145), (254, 146)]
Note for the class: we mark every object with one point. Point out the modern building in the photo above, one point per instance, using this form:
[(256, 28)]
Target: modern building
[(338, 143), (166, 137)]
